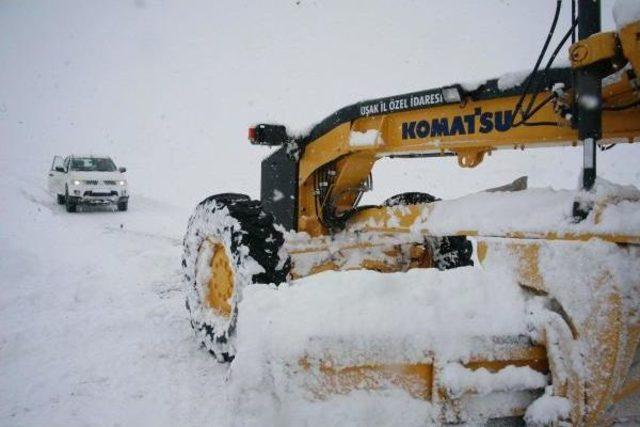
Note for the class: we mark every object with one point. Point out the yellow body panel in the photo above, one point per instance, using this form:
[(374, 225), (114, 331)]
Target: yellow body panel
[(630, 41)]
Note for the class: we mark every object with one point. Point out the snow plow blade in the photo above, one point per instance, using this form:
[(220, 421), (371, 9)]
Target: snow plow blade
[(544, 328), (570, 362)]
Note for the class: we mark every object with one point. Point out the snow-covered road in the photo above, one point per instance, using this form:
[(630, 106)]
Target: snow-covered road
[(94, 330)]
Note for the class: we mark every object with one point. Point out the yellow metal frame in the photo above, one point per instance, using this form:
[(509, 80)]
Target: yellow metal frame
[(630, 40), (599, 47), (353, 163)]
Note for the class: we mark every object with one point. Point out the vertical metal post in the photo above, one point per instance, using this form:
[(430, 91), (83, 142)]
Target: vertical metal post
[(573, 18), (589, 94), (588, 101)]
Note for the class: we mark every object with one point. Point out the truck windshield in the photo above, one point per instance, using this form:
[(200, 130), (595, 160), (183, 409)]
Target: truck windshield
[(92, 164)]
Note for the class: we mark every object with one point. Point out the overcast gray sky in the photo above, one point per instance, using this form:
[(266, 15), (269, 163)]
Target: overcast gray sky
[(176, 83)]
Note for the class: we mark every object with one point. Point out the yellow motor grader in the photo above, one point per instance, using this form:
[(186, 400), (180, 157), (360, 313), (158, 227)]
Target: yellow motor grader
[(309, 220)]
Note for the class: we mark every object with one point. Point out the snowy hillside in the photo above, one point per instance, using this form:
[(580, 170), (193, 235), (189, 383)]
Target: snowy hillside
[(93, 325)]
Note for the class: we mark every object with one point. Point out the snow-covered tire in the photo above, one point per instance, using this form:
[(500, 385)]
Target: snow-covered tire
[(60, 199), (453, 252), (70, 203), (449, 251), (410, 198), (254, 250)]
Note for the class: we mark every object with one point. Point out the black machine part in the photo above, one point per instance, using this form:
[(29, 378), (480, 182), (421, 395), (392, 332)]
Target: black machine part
[(279, 187), (268, 134), (589, 93)]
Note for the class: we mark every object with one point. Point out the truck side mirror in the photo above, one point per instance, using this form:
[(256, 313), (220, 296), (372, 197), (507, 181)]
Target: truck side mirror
[(122, 170)]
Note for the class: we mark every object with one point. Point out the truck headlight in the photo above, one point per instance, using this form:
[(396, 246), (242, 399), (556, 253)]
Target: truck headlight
[(123, 182), (76, 182)]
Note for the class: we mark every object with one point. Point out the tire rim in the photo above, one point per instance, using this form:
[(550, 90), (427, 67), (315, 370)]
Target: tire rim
[(221, 279)]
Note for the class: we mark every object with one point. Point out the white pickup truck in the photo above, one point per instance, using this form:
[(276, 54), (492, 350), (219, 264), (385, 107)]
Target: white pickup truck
[(92, 180)]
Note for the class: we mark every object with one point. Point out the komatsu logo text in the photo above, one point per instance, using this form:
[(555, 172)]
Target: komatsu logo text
[(459, 125)]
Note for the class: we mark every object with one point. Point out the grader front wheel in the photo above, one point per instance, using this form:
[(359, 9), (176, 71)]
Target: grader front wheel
[(230, 243)]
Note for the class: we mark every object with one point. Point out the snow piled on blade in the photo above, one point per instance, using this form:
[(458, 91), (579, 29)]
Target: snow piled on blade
[(356, 317), (459, 379), (625, 12), (547, 410), (361, 308)]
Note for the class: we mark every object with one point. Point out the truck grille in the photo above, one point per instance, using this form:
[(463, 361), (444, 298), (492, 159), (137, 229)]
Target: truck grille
[(100, 193), (109, 182), (91, 182)]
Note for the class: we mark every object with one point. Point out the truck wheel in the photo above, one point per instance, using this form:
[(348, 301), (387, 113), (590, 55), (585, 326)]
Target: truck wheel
[(230, 243), (123, 206), (70, 204), (450, 251), (61, 199)]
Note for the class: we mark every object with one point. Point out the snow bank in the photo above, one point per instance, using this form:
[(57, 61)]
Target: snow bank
[(625, 12)]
